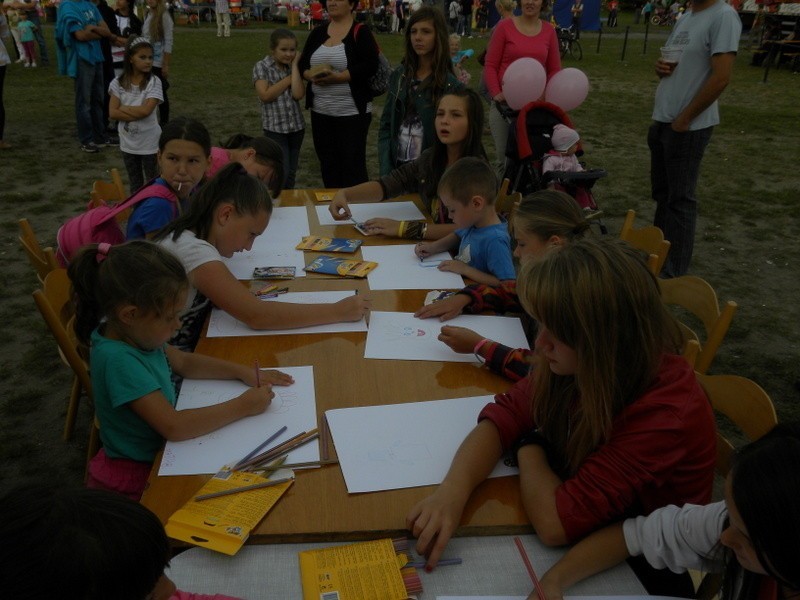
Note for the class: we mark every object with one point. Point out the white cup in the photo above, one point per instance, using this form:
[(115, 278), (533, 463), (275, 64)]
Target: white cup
[(671, 54)]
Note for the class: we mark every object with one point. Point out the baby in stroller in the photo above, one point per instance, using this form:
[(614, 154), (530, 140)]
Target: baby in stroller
[(543, 151)]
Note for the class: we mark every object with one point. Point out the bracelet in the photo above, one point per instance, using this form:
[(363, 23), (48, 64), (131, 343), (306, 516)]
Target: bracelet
[(477, 349), (532, 437), (401, 230), (412, 230), (424, 231)]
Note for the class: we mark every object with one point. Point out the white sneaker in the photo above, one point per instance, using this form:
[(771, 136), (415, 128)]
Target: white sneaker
[(19, 60), (27, 64), (33, 64)]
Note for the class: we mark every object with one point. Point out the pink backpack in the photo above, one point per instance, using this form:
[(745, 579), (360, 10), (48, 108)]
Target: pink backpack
[(98, 224)]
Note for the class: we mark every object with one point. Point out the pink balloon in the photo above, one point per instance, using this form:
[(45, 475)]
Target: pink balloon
[(567, 89), (523, 82)]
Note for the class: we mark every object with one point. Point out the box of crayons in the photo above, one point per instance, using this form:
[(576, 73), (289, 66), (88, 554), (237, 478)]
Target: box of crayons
[(323, 244), (221, 515), (330, 265), (375, 570)]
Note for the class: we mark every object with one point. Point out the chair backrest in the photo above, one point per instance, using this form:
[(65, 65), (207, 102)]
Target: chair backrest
[(53, 301), (745, 403), (104, 192), (42, 260), (505, 203), (698, 297), (649, 239)]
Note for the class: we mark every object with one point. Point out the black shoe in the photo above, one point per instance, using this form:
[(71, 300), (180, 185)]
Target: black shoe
[(90, 148), (111, 140)]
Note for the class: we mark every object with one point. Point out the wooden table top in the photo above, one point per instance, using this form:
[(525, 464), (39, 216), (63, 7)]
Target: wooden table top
[(317, 507)]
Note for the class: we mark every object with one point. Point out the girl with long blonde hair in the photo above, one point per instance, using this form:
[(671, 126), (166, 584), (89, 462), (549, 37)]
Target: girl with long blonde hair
[(610, 423)]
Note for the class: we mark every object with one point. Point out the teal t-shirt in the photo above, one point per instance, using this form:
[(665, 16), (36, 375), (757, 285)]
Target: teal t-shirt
[(121, 374)]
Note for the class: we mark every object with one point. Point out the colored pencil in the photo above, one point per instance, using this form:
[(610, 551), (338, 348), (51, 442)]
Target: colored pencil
[(265, 290), (443, 562), (246, 488), (258, 374), (275, 465), (261, 446), (529, 566), (287, 448), (276, 451), (310, 463)]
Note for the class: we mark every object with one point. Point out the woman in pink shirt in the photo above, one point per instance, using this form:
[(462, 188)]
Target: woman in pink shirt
[(523, 36)]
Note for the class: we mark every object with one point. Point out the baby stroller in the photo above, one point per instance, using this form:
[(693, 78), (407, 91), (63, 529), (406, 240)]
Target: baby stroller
[(529, 142)]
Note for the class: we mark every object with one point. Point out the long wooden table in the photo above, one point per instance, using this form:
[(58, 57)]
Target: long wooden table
[(317, 507)]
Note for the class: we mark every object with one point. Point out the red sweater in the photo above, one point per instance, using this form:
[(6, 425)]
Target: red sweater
[(662, 450)]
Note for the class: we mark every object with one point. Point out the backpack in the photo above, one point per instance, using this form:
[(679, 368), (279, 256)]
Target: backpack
[(379, 82), (98, 224)]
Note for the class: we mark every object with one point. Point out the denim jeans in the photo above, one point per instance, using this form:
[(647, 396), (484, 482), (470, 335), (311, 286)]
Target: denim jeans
[(89, 102), (290, 143), (674, 168)]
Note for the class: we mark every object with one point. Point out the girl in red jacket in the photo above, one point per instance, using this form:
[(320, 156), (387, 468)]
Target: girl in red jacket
[(610, 423)]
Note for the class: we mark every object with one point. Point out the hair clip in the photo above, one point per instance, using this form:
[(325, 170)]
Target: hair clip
[(102, 251), (138, 41)]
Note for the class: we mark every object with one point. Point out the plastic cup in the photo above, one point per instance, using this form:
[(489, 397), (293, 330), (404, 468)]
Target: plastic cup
[(671, 54)]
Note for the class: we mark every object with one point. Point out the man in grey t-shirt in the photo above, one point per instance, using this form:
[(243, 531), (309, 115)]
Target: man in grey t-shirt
[(684, 116)]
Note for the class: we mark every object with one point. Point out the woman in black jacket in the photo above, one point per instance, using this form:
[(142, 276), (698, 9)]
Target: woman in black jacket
[(337, 61)]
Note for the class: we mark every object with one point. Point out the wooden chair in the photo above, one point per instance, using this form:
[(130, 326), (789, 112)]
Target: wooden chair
[(42, 260), (54, 302), (698, 297), (109, 192), (505, 203), (649, 239), (750, 409)]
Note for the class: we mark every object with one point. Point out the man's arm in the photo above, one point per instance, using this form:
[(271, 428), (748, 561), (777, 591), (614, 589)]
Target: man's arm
[(721, 70)]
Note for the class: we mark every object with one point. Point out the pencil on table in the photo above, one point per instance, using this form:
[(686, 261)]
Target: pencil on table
[(261, 446), (258, 374), (287, 448), (246, 488), (277, 450), (537, 586)]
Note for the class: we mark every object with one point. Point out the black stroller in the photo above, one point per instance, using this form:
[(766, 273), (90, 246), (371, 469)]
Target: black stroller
[(529, 142)]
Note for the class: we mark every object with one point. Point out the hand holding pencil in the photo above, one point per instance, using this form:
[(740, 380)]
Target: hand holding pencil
[(256, 400)]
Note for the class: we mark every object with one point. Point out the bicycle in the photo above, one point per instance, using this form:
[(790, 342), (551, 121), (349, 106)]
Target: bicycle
[(568, 43)]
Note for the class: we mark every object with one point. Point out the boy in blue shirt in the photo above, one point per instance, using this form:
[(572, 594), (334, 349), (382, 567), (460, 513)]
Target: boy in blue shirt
[(468, 189)]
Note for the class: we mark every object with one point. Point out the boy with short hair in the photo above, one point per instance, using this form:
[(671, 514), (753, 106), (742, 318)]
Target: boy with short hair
[(468, 189)]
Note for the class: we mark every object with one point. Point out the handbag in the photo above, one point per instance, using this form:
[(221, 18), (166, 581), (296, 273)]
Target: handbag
[(379, 82)]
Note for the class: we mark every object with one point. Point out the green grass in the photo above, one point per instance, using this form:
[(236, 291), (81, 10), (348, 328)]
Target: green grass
[(745, 240)]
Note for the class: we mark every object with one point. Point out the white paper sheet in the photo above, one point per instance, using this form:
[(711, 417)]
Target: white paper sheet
[(294, 406), (400, 269), (401, 336), (400, 211), (276, 246), (403, 445), (222, 324)]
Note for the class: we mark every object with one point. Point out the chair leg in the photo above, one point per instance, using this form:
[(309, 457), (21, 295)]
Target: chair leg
[(92, 447), (72, 408)]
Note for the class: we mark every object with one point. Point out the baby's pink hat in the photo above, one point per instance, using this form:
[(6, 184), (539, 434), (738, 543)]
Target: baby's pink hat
[(563, 137)]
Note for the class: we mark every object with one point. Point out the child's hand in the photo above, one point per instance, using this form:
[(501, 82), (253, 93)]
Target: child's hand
[(453, 266), (352, 308), (379, 226), (338, 208), (446, 309), (256, 400), (434, 520), (273, 377), (460, 339), (422, 250)]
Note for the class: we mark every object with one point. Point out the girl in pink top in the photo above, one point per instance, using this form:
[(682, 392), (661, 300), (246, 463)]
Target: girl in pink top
[(261, 157)]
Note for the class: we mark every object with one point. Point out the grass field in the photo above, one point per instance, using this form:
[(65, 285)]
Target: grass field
[(745, 248)]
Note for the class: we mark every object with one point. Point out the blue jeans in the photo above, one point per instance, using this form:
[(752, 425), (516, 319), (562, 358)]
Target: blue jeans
[(674, 168), (290, 143), (89, 102)]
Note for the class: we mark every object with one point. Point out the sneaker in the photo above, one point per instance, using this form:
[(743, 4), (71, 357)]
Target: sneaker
[(33, 64), (27, 64), (111, 140), (90, 148), (19, 60)]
